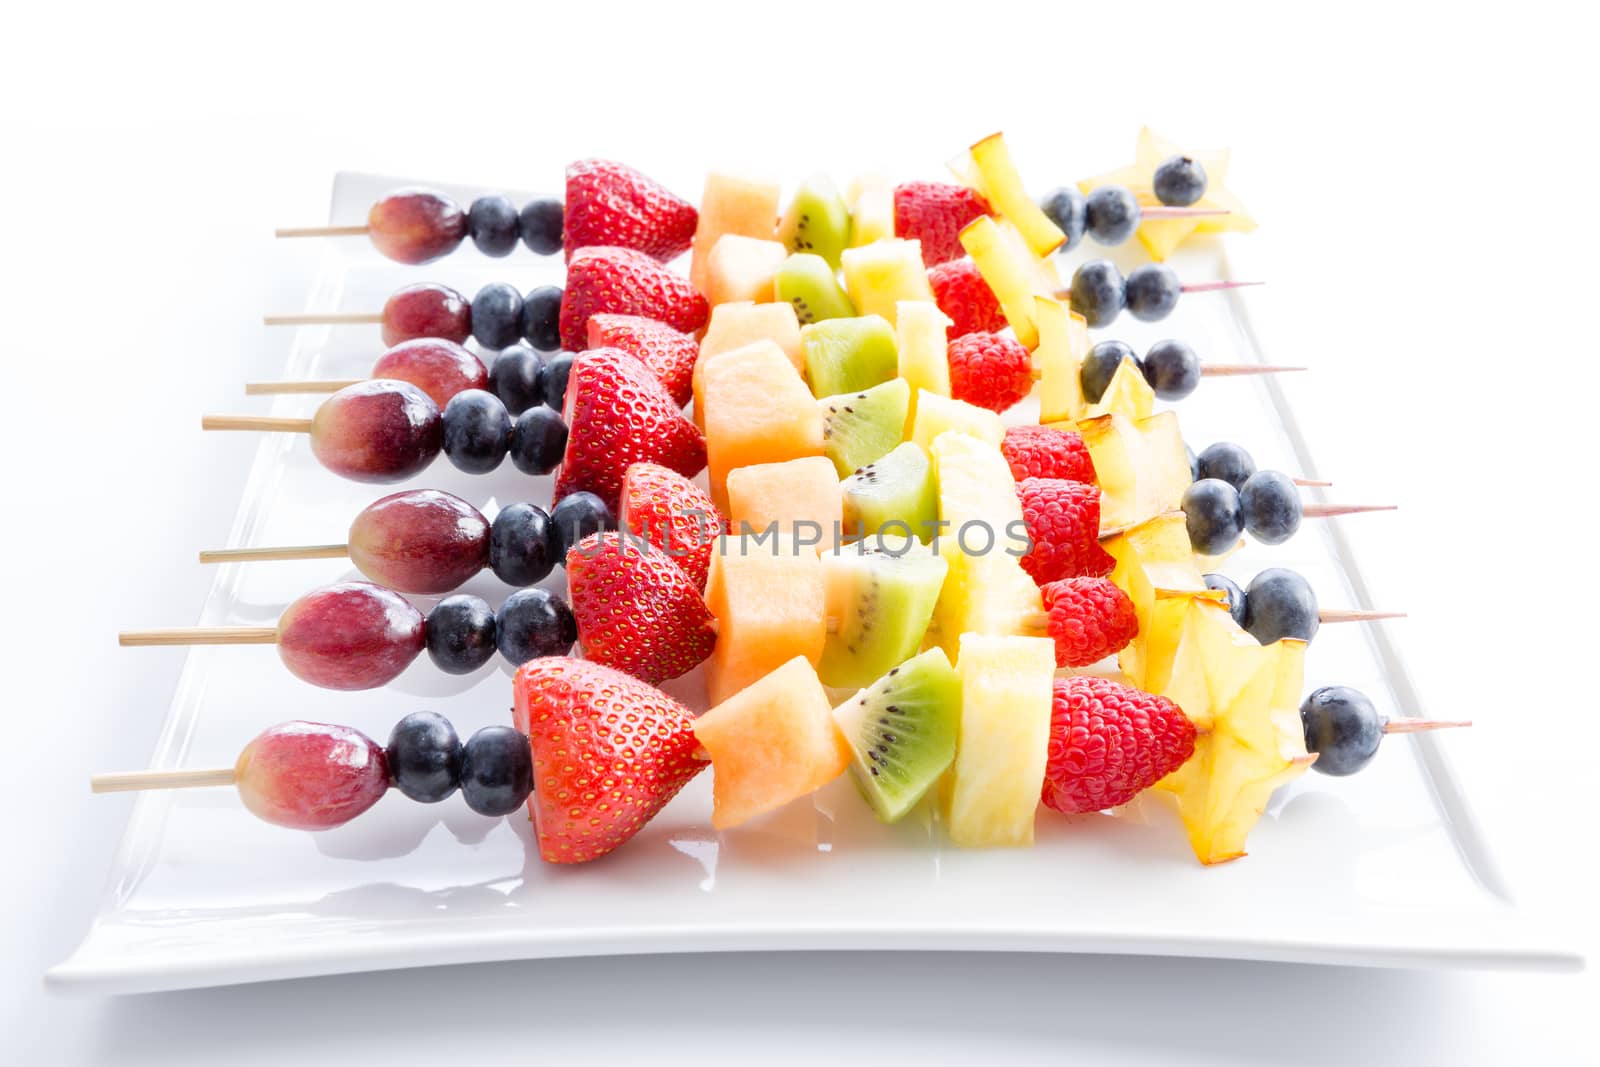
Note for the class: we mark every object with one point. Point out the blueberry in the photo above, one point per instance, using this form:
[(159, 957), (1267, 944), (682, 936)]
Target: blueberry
[(1228, 462), (517, 378), (496, 770), (1179, 181), (1152, 292), (1111, 214), (1342, 728), (1172, 369), (541, 318), (533, 623), (576, 516), (522, 545), (1233, 596), (1066, 208), (538, 440), (492, 223), (1211, 513), (477, 431), (555, 380), (1279, 603), (540, 223), (1194, 464), (424, 757), (497, 316), (460, 634), (1271, 505), (1100, 366), (1097, 291)]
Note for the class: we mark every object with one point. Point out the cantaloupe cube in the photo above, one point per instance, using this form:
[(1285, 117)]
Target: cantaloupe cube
[(744, 323), (757, 409), (770, 605), (771, 743), (937, 414), (923, 350), (731, 204), (880, 275), (800, 499), (1003, 741), (741, 268)]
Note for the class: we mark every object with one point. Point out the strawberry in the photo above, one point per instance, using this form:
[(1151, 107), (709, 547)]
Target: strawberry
[(669, 353), (965, 298), (1089, 619), (989, 370), (1109, 742), (610, 204), (625, 282), (672, 513), (637, 610), (608, 753), (1046, 452), (1064, 525), (618, 413), (934, 213)]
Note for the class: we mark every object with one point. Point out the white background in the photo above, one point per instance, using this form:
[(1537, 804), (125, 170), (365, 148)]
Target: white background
[(1427, 180)]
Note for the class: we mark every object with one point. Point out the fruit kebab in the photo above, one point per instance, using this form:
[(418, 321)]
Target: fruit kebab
[(497, 316)]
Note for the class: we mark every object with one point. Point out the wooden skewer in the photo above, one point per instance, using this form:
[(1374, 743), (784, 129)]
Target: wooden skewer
[(1214, 287), (1164, 211), (326, 318), (131, 781), (199, 635), (1217, 370), (1355, 615), (1417, 726), (242, 555), (314, 385), (321, 231), (1328, 511), (255, 422)]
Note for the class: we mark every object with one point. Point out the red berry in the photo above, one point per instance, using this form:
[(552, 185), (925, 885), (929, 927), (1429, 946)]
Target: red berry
[(1109, 742), (1046, 452), (1064, 524), (989, 370), (618, 413), (611, 204), (672, 513), (1090, 618), (310, 775), (637, 610), (934, 213), (669, 353), (965, 298), (608, 753), (624, 282)]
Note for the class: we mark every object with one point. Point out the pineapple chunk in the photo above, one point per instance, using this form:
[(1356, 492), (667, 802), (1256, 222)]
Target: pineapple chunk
[(1003, 740), (1012, 271), (1003, 188), (1063, 342), (1142, 466), (1126, 394), (881, 275), (871, 200), (924, 355), (937, 414)]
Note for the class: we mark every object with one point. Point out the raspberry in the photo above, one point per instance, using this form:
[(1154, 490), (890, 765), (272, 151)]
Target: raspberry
[(934, 214), (1064, 524), (1090, 618), (1046, 452), (989, 370), (1109, 742), (966, 298)]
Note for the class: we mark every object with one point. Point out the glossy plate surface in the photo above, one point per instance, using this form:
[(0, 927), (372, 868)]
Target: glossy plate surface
[(1387, 868)]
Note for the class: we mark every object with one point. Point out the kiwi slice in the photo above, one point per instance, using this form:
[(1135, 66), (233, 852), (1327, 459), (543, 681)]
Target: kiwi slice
[(898, 488), (806, 281), (902, 732), (817, 220), (880, 595), (848, 355), (858, 428)]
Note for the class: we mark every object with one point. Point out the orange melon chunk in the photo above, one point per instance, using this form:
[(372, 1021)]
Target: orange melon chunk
[(782, 496), (770, 605), (742, 269), (731, 204), (757, 409), (771, 743)]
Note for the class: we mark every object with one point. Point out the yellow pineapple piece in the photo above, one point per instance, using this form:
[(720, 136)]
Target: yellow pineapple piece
[(1002, 187), (879, 276), (1126, 394), (1012, 270), (871, 200), (1142, 466), (923, 353), (937, 414), (1063, 342), (1003, 739)]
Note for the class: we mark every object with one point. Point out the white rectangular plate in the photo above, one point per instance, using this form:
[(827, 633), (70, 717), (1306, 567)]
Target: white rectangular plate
[(1386, 868)]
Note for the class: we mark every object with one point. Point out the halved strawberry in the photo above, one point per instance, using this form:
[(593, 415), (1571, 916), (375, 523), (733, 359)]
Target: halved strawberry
[(672, 513), (934, 213), (609, 752), (965, 298), (612, 204), (624, 282), (618, 413), (637, 610), (667, 352)]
